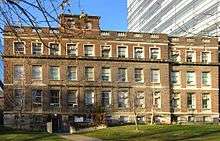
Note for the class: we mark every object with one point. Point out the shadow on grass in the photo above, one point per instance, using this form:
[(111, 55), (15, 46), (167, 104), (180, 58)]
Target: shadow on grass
[(166, 135), (202, 135), (40, 137), (143, 135)]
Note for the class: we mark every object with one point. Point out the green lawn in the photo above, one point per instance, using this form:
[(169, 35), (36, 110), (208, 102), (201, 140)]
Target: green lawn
[(159, 133), (26, 136)]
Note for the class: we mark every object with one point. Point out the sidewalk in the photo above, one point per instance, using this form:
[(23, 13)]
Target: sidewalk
[(75, 137)]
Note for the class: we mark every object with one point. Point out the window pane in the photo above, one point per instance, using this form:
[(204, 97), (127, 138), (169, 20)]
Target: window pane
[(106, 98), (138, 52), (19, 72), (89, 97), (122, 74), (191, 101), (72, 98), (140, 99), (54, 73), (190, 56), (157, 99), (88, 50), (71, 73), (54, 97), (138, 75), (155, 76), (19, 47), (54, 49), (175, 77), (191, 79), (206, 101), (106, 74), (154, 53), (106, 51), (206, 78), (19, 97), (89, 73), (36, 72), (71, 49), (122, 52), (37, 96), (123, 99), (175, 56), (36, 48)]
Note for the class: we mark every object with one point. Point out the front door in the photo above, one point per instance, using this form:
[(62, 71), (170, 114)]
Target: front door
[(56, 123)]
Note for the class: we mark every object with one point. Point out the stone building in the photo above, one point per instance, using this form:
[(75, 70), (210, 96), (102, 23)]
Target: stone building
[(67, 74)]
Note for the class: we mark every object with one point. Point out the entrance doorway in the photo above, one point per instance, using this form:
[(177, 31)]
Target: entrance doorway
[(56, 123)]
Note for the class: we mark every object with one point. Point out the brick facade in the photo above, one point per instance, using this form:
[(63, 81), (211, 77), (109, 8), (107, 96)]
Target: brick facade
[(81, 35)]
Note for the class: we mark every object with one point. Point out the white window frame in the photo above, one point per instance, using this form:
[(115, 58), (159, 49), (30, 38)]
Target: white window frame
[(194, 83), (152, 76), (42, 49), (209, 104), (193, 106), (193, 58), (110, 52), (19, 42), (179, 57), (159, 55), (143, 55), (93, 50), (209, 77), (72, 44), (209, 59), (126, 53), (59, 53)]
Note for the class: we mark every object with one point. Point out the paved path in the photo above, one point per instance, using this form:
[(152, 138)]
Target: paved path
[(75, 137)]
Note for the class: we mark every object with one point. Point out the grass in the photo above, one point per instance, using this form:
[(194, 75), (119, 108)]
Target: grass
[(28, 136), (159, 133)]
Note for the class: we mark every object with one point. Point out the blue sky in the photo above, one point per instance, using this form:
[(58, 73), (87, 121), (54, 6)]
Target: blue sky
[(113, 12)]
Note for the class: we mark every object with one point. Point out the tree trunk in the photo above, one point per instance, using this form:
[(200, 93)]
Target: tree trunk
[(135, 121), (152, 117)]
